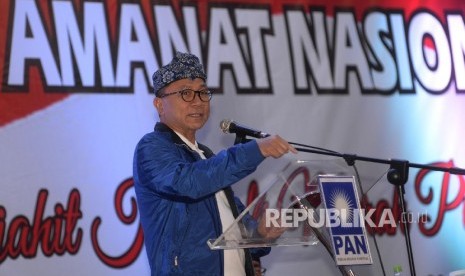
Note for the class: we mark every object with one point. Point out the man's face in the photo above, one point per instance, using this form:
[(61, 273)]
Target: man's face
[(183, 117)]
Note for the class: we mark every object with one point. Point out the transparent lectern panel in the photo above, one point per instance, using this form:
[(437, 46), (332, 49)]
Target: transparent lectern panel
[(285, 203), (295, 188)]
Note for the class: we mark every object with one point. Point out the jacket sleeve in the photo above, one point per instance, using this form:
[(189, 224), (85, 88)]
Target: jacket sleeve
[(168, 171)]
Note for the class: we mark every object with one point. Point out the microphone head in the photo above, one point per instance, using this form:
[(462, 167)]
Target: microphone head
[(224, 125)]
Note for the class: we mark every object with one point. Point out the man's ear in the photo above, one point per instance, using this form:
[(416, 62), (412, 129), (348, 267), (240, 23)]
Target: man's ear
[(158, 105)]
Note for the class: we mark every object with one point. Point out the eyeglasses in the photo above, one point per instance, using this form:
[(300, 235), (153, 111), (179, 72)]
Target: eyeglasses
[(188, 95)]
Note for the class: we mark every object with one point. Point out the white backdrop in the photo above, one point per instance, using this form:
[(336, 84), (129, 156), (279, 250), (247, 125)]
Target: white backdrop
[(67, 132)]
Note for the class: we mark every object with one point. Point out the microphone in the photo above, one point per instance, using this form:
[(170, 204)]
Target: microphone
[(229, 126)]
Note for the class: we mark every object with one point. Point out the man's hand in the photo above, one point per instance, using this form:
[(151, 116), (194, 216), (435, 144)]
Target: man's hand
[(274, 146), (271, 232)]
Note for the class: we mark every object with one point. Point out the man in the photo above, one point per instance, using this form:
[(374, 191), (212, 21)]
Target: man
[(183, 189)]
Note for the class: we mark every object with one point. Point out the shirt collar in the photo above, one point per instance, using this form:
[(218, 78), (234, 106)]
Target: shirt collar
[(194, 147)]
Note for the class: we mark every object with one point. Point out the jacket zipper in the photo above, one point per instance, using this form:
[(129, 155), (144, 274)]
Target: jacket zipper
[(176, 261)]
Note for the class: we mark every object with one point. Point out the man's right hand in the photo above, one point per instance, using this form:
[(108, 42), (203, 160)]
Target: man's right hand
[(274, 146)]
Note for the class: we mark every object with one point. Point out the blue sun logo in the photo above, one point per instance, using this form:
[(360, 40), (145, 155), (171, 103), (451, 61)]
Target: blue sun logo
[(341, 201)]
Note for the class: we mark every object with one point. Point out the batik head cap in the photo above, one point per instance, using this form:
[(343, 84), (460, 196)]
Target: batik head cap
[(183, 66)]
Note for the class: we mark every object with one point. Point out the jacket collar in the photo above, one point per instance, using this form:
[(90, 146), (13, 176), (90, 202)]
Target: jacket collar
[(161, 127)]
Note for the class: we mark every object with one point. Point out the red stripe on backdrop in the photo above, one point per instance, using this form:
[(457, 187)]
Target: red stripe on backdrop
[(113, 12), (436, 6), (18, 104), (15, 106)]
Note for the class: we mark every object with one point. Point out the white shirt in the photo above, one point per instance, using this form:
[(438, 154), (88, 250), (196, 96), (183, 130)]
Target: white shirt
[(234, 259)]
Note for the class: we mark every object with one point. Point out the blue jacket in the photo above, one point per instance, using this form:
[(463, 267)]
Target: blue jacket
[(175, 192)]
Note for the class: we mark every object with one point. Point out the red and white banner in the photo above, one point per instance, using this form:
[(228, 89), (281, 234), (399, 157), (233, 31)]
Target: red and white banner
[(380, 78)]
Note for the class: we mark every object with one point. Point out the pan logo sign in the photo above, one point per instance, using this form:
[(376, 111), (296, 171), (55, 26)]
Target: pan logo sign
[(349, 239)]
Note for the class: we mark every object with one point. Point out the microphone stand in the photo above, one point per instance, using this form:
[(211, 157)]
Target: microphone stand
[(397, 176), (240, 139)]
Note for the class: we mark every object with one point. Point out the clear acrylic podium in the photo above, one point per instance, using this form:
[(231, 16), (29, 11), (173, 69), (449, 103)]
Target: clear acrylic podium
[(295, 186)]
